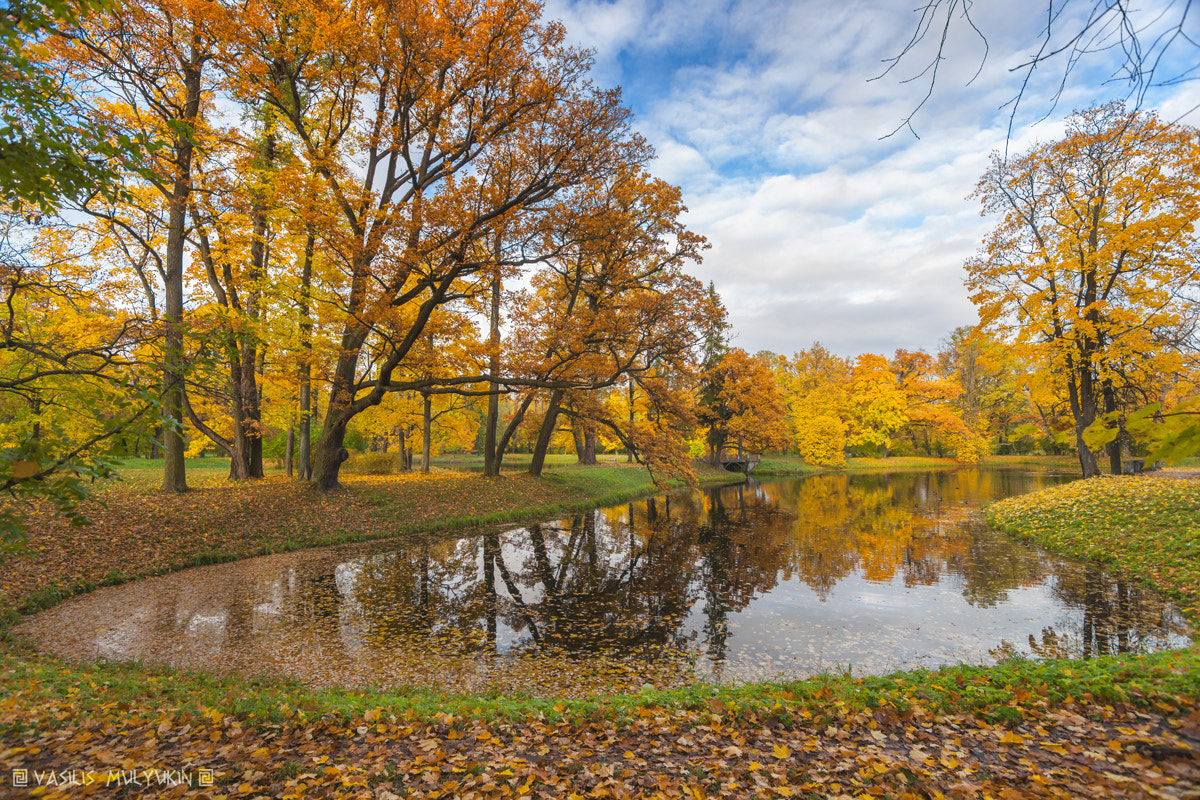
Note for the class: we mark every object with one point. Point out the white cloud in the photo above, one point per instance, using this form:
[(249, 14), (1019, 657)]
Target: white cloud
[(763, 113)]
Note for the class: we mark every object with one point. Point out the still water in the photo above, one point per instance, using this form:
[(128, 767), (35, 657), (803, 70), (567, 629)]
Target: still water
[(868, 573)]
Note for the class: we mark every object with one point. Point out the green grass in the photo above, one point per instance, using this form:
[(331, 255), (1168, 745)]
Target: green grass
[(514, 462), (997, 694), (1146, 527), (779, 464)]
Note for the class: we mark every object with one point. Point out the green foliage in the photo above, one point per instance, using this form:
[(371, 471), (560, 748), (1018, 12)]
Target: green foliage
[(28, 472), (1171, 435), (48, 154)]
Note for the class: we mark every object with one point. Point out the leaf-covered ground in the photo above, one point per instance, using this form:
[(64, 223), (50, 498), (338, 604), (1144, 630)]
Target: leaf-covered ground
[(1112, 727), (1148, 527), (137, 530), (1071, 749)]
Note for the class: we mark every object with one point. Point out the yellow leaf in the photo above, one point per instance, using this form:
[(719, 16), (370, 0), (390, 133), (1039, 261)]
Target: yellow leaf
[(25, 469), (782, 751)]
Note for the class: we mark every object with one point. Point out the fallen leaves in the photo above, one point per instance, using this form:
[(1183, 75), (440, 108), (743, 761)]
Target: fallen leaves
[(1077, 749)]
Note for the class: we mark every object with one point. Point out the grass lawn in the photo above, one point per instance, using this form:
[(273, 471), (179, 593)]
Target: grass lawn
[(1113, 726)]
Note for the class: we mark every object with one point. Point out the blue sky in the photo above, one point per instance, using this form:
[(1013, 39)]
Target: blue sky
[(763, 112)]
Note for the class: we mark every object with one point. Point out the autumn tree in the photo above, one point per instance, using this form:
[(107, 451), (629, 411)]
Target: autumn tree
[(1092, 255), (145, 64), (991, 394), (934, 416), (71, 375), (815, 384), (427, 126), (69, 350), (747, 408), (613, 305), (876, 405)]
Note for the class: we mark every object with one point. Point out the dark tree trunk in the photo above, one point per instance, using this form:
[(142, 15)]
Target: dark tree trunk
[(304, 448), (577, 437), (1081, 395), (545, 434), (491, 457), (289, 452), (511, 428), (251, 355), (1114, 447), (588, 456), (629, 460), (174, 471), (329, 445), (426, 432), (239, 457)]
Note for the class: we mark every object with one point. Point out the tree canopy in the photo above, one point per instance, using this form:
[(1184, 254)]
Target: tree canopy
[(1091, 262)]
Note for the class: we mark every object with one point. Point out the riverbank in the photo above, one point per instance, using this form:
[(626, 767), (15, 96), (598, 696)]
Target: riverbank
[(774, 464), (1115, 727), (138, 531), (1148, 527)]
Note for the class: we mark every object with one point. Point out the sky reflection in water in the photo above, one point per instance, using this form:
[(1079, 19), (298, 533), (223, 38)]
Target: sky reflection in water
[(867, 572)]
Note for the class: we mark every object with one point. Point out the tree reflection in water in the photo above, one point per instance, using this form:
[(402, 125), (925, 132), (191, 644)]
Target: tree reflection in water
[(669, 581), (751, 581)]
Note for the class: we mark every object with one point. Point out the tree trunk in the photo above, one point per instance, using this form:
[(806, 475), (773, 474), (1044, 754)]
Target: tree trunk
[(629, 460), (1114, 447), (304, 449), (329, 447), (588, 457), (511, 428), (545, 434), (174, 471), (252, 408), (491, 458), (426, 432), (290, 450), (1088, 464), (239, 458)]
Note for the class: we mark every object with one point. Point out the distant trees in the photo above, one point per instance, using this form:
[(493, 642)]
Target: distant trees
[(872, 405), (742, 405), (1092, 259)]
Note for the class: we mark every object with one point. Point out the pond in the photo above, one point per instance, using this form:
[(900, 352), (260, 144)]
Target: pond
[(868, 573)]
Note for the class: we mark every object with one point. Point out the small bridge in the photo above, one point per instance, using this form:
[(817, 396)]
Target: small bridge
[(741, 461)]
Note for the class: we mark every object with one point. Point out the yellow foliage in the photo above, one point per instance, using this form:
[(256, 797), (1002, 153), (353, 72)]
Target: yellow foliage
[(821, 441)]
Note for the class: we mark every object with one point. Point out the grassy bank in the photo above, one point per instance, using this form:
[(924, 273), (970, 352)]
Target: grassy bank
[(1145, 527), (777, 464), (139, 531)]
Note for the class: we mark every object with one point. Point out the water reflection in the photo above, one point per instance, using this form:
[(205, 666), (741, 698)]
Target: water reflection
[(873, 572)]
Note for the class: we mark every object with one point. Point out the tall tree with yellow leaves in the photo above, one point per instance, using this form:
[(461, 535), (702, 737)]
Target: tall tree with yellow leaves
[(146, 65), (1095, 245)]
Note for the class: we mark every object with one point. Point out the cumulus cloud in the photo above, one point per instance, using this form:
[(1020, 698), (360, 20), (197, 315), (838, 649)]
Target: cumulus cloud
[(823, 227)]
